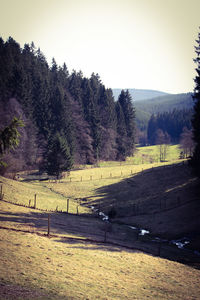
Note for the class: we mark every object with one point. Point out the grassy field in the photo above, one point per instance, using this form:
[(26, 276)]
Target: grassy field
[(132, 190), (145, 155), (75, 263), (81, 186), (38, 267)]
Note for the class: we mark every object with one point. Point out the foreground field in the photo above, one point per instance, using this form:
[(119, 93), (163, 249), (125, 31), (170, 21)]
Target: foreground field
[(82, 186), (75, 262), (37, 267), (160, 197)]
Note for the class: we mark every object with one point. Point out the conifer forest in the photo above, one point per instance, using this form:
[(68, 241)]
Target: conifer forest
[(61, 110)]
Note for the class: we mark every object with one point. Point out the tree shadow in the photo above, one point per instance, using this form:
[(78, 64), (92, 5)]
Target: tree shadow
[(84, 245), (148, 187), (151, 186), (70, 228), (164, 197)]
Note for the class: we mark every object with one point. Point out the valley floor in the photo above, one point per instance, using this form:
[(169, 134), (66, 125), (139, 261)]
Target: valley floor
[(87, 258), (37, 267)]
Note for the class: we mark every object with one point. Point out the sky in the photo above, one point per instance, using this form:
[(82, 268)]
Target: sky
[(142, 44)]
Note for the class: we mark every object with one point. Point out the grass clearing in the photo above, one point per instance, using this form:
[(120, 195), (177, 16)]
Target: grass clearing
[(46, 199), (54, 269), (81, 184), (148, 155), (68, 265)]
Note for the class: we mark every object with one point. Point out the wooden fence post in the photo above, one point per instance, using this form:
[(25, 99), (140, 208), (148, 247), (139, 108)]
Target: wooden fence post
[(67, 206), (48, 233), (35, 201), (1, 195), (77, 209)]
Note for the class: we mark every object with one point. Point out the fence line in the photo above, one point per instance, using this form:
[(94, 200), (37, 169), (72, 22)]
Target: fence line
[(138, 207), (160, 249), (121, 175)]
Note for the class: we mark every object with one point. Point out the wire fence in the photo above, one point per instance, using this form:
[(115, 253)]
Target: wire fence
[(138, 207)]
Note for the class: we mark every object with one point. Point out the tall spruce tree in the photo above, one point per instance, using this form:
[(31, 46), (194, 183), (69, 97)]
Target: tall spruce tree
[(57, 158), (125, 101), (196, 116), (51, 100), (9, 138), (121, 133)]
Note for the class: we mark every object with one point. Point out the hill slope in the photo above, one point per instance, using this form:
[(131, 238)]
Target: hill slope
[(165, 103), (72, 265), (139, 94), (145, 108), (164, 200), (36, 267)]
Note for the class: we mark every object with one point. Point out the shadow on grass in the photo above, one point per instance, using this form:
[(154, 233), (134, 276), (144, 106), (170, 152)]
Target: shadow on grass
[(149, 191), (83, 245), (146, 188), (87, 233)]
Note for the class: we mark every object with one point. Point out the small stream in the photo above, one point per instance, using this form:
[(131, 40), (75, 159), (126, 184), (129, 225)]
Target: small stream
[(179, 243)]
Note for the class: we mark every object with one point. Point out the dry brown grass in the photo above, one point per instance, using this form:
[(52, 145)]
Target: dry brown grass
[(43, 268), (164, 200), (69, 265)]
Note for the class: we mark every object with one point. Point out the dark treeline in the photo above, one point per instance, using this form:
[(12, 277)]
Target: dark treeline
[(172, 123), (80, 112), (196, 117)]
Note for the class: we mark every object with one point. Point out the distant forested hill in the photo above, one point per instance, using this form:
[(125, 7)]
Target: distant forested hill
[(139, 94), (70, 112), (167, 103), (171, 123)]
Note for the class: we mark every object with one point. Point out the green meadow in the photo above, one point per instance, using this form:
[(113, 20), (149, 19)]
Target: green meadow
[(35, 267), (81, 185), (74, 262)]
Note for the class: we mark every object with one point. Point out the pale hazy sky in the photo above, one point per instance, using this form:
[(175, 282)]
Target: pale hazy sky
[(145, 44)]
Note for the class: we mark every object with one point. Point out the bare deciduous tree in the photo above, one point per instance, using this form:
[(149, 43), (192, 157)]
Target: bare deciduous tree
[(163, 141), (186, 143)]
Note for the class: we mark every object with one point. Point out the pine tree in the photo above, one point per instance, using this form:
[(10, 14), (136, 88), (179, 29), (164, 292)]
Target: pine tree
[(57, 158), (9, 138), (91, 115), (121, 133), (196, 116), (125, 101)]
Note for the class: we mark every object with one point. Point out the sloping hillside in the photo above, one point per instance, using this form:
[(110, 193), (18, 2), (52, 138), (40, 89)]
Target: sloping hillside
[(37, 267), (164, 200), (70, 264), (139, 94), (165, 103), (145, 108)]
